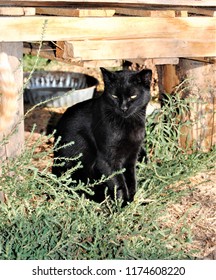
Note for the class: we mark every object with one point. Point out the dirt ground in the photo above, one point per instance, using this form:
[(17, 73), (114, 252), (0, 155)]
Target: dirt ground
[(198, 210)]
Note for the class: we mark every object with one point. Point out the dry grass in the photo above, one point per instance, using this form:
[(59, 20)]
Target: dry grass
[(196, 211)]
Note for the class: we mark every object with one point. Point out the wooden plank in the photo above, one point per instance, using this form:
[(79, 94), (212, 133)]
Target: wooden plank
[(75, 12), (139, 48), (17, 11), (170, 78), (50, 54), (145, 13), (154, 12), (67, 28), (102, 63), (198, 3), (156, 61), (179, 13), (203, 11), (204, 59), (164, 61)]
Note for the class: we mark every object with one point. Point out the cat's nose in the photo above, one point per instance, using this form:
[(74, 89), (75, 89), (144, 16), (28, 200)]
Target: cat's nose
[(124, 108)]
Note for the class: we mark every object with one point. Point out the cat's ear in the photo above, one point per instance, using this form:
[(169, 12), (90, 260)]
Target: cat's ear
[(145, 76), (107, 75)]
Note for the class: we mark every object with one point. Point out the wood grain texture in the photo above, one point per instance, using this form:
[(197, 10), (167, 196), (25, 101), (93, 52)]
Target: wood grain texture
[(156, 61), (108, 28), (17, 11), (145, 13), (137, 48), (198, 3), (203, 11), (75, 12)]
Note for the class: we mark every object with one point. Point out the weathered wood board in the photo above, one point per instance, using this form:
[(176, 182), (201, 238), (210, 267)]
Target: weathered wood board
[(203, 11), (139, 48), (75, 12), (17, 11), (180, 35), (199, 3), (72, 28), (145, 13)]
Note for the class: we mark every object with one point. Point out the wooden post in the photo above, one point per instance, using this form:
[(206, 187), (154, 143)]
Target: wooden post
[(200, 89), (15, 142)]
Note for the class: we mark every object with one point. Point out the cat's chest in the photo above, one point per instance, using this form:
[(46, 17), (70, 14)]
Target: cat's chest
[(125, 135), (133, 136)]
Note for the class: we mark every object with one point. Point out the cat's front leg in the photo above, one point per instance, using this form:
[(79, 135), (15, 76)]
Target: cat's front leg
[(122, 191), (142, 155), (115, 184), (130, 177)]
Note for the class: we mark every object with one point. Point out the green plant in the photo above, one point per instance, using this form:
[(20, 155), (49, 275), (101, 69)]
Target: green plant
[(29, 61)]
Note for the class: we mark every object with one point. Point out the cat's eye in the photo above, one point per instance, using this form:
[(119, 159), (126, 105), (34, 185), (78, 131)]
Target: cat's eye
[(114, 96), (133, 96)]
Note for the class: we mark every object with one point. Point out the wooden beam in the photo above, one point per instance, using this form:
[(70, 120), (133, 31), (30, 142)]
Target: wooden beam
[(164, 61), (67, 28), (145, 13), (17, 11), (102, 63), (156, 61), (180, 13), (211, 60), (75, 12), (170, 79), (53, 3), (50, 54), (139, 48), (203, 11)]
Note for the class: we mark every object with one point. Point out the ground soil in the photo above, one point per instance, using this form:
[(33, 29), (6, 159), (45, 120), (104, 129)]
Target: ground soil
[(197, 210)]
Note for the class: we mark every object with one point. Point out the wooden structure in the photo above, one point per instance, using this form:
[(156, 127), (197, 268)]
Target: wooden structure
[(175, 34)]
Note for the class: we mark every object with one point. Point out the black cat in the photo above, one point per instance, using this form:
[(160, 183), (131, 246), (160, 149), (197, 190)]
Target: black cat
[(108, 131)]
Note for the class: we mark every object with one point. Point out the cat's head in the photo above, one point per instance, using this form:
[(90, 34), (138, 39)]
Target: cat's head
[(127, 92)]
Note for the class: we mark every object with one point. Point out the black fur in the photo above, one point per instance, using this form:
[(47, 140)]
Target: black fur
[(108, 131)]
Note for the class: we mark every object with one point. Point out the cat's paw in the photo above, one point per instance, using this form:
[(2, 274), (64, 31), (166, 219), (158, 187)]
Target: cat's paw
[(142, 156), (124, 196), (120, 194)]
